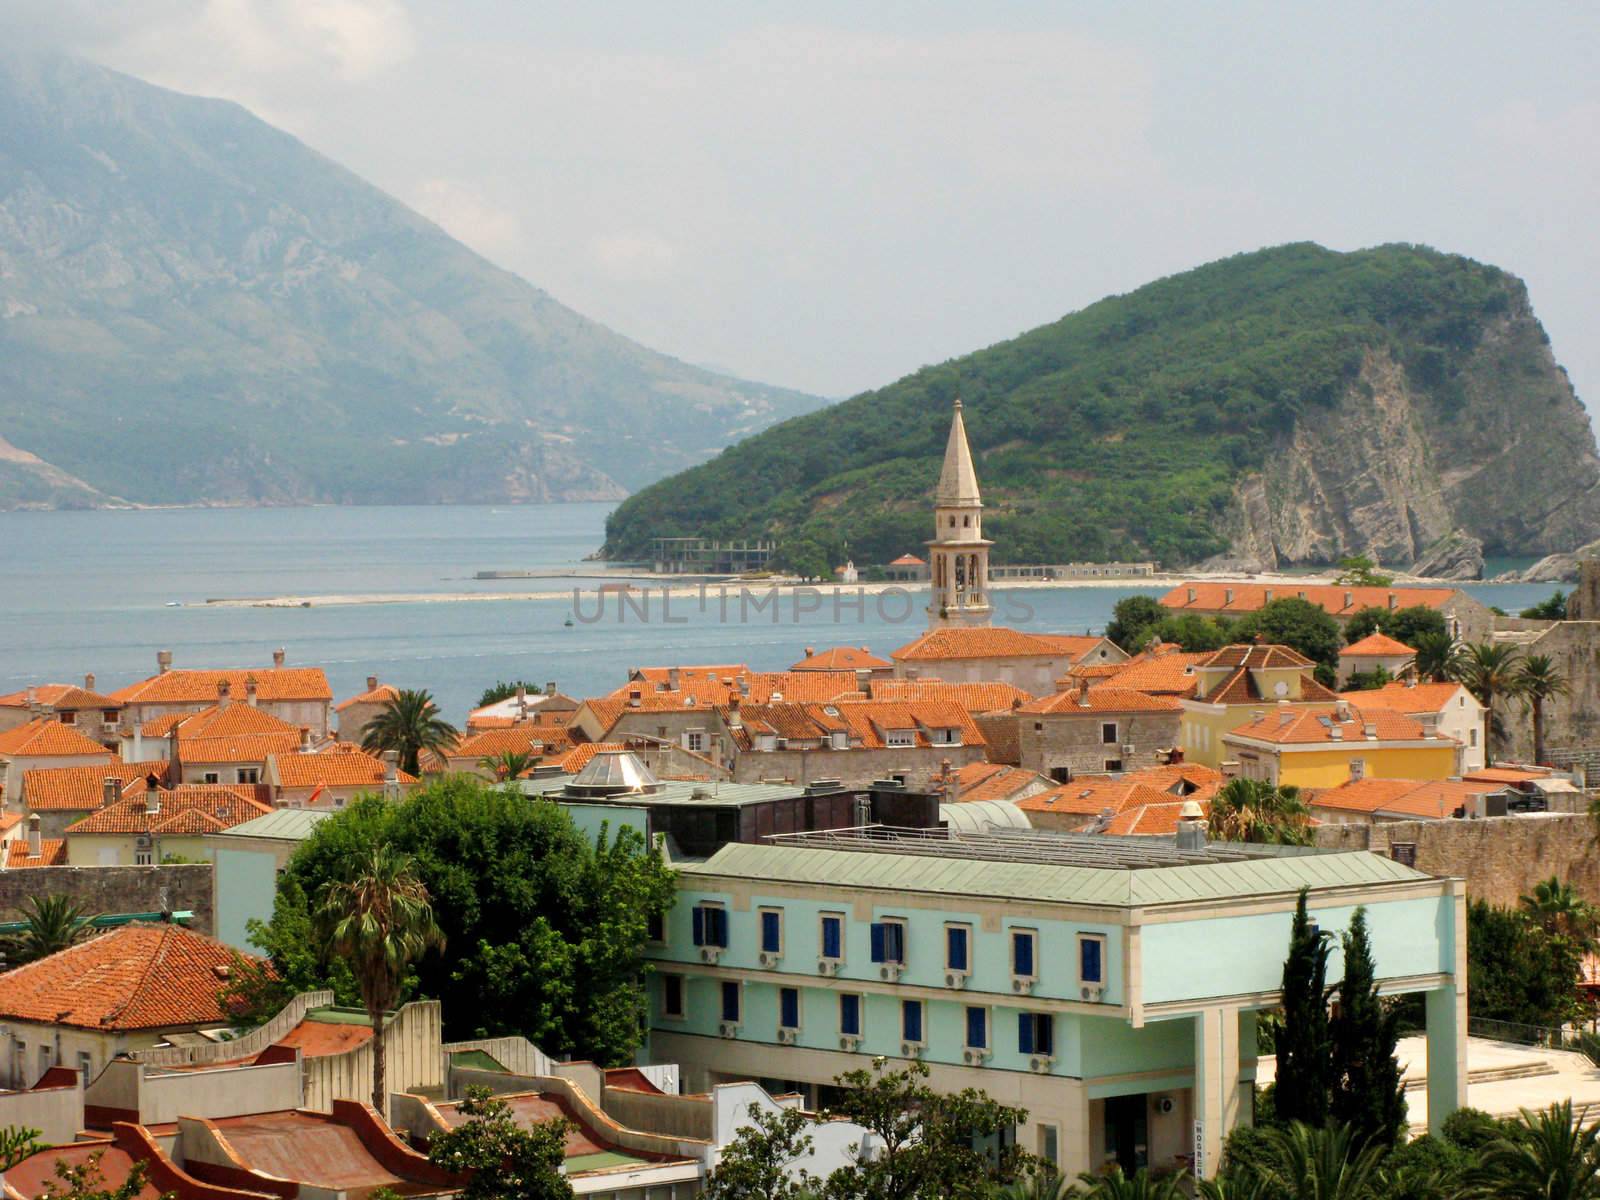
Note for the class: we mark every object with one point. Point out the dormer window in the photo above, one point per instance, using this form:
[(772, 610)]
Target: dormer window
[(900, 738)]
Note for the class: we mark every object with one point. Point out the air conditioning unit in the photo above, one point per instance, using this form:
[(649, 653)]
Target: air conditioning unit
[(827, 966), (728, 1029), (142, 841), (1166, 1105), (910, 1050), (1127, 749), (889, 972), (1022, 986), (710, 954), (1092, 991), (1040, 1063), (849, 1042), (787, 1036), (955, 979), (974, 1057), (769, 959)]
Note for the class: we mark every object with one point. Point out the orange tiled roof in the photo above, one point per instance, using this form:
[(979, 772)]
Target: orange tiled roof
[(842, 658), (45, 694), (140, 976), (337, 768), (48, 738), (230, 720), (991, 642), (1411, 698), (187, 808), (907, 560), (993, 781), (1303, 726), (578, 757), (52, 853), (1092, 794), (245, 748), (1150, 820), (1104, 698), (381, 694), (200, 687), (1434, 799), (1376, 645), (1507, 775), (1336, 599), (515, 739), (77, 697), (974, 697), (1170, 673), (53, 789)]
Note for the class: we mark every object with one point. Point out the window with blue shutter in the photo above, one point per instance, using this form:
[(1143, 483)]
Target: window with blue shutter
[(771, 931), (1036, 1033), (888, 942), (710, 925), (832, 936), (1091, 964), (1022, 953), (978, 1028), (1024, 1033), (911, 1020), (699, 925), (672, 995), (730, 1000), (789, 1008), (955, 941), (877, 942), (850, 1014)]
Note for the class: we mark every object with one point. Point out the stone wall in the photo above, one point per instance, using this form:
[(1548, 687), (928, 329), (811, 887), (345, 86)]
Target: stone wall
[(855, 769), (1075, 741), (113, 889), (1501, 858), (1570, 722)]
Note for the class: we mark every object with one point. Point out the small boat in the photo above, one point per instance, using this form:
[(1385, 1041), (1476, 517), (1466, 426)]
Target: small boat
[(174, 603), (568, 622)]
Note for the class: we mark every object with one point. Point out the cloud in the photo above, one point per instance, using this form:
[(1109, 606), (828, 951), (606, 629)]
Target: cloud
[(465, 213), (635, 256)]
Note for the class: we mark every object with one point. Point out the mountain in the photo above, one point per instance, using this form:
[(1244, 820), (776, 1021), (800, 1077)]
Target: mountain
[(1289, 406), (197, 308)]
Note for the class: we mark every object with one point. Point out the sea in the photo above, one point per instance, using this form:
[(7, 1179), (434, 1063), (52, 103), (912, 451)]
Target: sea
[(102, 592)]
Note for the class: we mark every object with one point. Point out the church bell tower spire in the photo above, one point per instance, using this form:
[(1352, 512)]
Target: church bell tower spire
[(958, 555)]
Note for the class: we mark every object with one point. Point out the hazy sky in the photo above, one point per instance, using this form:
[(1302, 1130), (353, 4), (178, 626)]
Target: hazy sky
[(828, 195)]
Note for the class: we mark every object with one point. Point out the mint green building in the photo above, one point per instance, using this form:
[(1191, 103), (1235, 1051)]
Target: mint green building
[(1107, 985)]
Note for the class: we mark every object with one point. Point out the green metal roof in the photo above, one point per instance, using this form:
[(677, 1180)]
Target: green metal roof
[(1050, 882), (675, 792), (284, 824)]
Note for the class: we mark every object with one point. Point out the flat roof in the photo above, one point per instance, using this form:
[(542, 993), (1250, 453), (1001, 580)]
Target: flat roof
[(1043, 865), (284, 824), (688, 793)]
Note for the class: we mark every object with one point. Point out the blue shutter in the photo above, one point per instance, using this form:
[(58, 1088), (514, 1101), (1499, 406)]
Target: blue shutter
[(894, 942), (977, 1028), (771, 932), (1024, 1033), (699, 926), (719, 928), (911, 1020), (1089, 965), (830, 937), (956, 948), (789, 1008), (850, 1014), (1022, 953), (877, 941), (730, 1001)]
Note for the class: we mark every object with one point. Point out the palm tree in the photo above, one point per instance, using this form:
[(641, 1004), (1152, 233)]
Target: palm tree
[(1538, 682), (1114, 1185), (1548, 1156), (53, 923), (1489, 670), (381, 921), (408, 724), (1250, 810), (508, 764), (1438, 656), (1304, 1163), (1557, 907)]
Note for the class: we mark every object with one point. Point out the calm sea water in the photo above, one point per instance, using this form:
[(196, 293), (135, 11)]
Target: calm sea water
[(88, 592)]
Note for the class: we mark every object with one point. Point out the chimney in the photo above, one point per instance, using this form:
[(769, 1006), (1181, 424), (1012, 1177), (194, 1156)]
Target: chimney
[(110, 790), (1266, 596), (34, 707), (172, 755), (1083, 697), (372, 683), (1191, 827), (1393, 602), (1341, 710), (88, 682), (1191, 595), (1227, 595), (305, 739), (35, 838), (250, 690), (277, 657), (634, 699), (550, 687), (1369, 730), (674, 679), (1349, 599), (224, 692), (163, 661), (735, 721), (152, 799), (811, 651)]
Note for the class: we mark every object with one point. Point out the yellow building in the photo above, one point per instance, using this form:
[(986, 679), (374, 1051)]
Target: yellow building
[(1233, 684), (159, 824), (1329, 745)]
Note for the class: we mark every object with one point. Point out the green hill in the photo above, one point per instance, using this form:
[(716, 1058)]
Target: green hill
[(1289, 405)]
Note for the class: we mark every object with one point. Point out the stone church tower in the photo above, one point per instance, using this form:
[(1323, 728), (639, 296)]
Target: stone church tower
[(958, 555)]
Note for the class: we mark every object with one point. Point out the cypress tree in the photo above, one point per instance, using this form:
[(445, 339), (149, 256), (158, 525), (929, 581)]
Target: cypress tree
[(1305, 1066), (1367, 1093)]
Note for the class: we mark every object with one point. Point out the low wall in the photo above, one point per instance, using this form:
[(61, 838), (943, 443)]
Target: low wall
[(248, 1046), (1501, 858), (187, 886), (516, 1054), (56, 1112), (411, 1044), (129, 1091), (680, 1116)]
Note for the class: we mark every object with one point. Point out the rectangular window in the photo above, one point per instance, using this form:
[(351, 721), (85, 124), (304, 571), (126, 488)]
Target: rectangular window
[(956, 940), (695, 741), (1036, 1033), (730, 1000), (889, 942), (672, 996), (977, 1027), (771, 931), (44, 1059), (108, 716), (1050, 1143), (249, 774), (1091, 960), (1113, 765), (1108, 733), (710, 925), (911, 1020), (1022, 956), (832, 936), (1473, 733), (655, 928), (69, 717), (211, 777), (899, 738), (143, 858), (850, 1014), (85, 1064), (789, 1008)]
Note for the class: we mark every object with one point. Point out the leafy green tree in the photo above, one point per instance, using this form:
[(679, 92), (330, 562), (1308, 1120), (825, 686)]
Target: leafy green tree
[(379, 918), (1195, 633), (1133, 622), (1561, 911), (51, 924), (17, 1142), (508, 765), (1539, 681), (408, 724), (504, 1159), (1252, 810), (87, 1181), (1297, 623), (1553, 609), (1547, 1155), (1141, 1185), (923, 1139), (1365, 622), (294, 961), (1305, 1073), (759, 1163), (1368, 681), (1438, 657), (1360, 571), (1491, 672), (1313, 1162), (1368, 1095), (502, 690), (545, 926), (1424, 1168), (1517, 970), (1414, 622)]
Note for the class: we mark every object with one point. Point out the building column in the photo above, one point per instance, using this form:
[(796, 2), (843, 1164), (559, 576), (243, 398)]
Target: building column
[(1447, 1053), (1216, 1085)]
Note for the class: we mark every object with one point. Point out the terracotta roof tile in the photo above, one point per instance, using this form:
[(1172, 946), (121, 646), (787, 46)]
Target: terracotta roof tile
[(1436, 799), (381, 694), (974, 697), (842, 658), (54, 789), (226, 806), (1413, 698), (1092, 794), (78, 698), (52, 853), (1168, 674), (515, 739), (246, 748), (578, 757), (47, 738), (994, 781), (45, 693), (1336, 599), (907, 560), (331, 768), (200, 687), (1150, 820), (992, 642), (1376, 645), (137, 977), (1104, 698), (1308, 725)]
